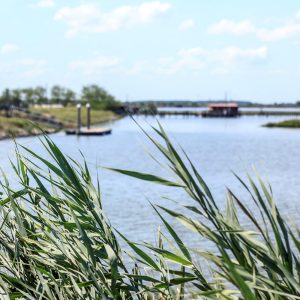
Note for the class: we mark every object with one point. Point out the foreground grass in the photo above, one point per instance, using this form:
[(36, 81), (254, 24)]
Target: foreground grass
[(16, 127), (295, 123), (68, 115), (56, 243)]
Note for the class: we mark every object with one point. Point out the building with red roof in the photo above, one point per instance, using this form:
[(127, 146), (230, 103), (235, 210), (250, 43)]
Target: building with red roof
[(222, 110)]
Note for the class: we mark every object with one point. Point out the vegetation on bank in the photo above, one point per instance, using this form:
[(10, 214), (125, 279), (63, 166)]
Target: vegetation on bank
[(56, 243), (57, 109), (20, 123), (295, 123), (200, 113), (270, 113), (68, 115), (18, 127), (204, 103), (98, 97)]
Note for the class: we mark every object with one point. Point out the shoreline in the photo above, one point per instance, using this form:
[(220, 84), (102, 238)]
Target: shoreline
[(49, 121), (291, 124), (5, 136), (241, 114)]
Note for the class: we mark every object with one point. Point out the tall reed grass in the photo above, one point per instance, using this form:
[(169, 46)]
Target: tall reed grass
[(56, 243)]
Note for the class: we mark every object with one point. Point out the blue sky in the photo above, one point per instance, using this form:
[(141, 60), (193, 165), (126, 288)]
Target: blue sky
[(147, 49)]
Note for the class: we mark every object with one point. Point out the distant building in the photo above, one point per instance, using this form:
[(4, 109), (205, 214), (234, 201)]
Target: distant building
[(222, 110), (48, 105)]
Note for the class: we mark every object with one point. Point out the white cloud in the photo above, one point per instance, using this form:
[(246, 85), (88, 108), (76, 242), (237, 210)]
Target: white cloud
[(229, 26), (139, 67), (229, 55), (94, 66), (8, 48), (246, 27), (32, 67), (190, 60), (187, 24), (89, 18), (195, 59), (178, 65), (279, 33), (193, 52), (29, 62), (45, 3)]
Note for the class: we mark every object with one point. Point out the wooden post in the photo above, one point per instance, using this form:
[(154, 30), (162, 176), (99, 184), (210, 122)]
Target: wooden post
[(78, 118), (88, 110)]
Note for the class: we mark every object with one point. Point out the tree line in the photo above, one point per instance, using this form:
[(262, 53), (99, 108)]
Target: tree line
[(24, 97)]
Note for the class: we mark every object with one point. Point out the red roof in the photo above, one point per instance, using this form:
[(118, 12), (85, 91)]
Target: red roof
[(223, 105)]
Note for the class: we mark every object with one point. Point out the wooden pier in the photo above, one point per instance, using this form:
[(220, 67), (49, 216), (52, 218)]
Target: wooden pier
[(89, 132)]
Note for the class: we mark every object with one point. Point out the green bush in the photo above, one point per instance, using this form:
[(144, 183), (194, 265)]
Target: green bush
[(295, 123)]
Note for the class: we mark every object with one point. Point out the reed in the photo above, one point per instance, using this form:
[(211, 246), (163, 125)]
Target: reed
[(56, 243)]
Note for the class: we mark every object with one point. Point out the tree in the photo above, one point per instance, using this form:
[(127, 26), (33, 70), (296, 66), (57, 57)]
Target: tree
[(62, 95), (56, 94), (40, 95), (37, 95), (69, 97), (98, 97), (6, 101), (29, 96), (5, 97), (16, 97)]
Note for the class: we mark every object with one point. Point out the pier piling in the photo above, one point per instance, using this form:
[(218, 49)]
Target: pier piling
[(88, 111), (78, 118)]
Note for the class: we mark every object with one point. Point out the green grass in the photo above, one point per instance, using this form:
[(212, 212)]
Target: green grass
[(68, 115), (56, 243), (285, 124), (14, 127)]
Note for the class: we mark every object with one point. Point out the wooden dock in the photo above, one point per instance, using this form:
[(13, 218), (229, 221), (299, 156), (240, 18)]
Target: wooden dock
[(89, 132)]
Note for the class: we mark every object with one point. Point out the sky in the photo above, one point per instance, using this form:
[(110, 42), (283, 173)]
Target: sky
[(142, 50)]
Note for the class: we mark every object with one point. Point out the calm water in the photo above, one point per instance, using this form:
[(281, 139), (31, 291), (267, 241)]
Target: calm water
[(216, 146), (254, 109)]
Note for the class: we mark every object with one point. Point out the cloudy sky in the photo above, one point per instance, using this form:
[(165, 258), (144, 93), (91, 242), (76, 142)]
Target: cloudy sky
[(174, 49)]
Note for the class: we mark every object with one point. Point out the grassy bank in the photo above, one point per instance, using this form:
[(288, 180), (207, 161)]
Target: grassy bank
[(295, 123), (68, 115), (56, 243), (21, 124), (17, 127)]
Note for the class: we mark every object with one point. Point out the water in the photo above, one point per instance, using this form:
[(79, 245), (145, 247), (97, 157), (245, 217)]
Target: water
[(216, 146), (242, 109)]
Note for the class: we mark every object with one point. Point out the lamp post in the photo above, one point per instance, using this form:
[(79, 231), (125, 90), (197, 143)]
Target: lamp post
[(88, 110), (78, 117)]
